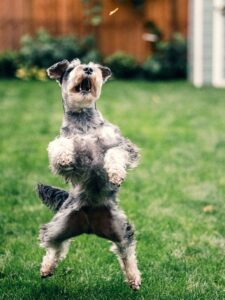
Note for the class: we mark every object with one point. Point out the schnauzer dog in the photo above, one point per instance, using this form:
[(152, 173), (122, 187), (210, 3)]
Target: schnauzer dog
[(93, 156)]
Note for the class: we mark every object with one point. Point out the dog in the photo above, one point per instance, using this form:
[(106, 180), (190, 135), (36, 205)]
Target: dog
[(93, 157)]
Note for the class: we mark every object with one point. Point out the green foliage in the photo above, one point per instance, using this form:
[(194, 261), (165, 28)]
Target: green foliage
[(92, 55), (8, 64), (122, 65), (152, 28), (137, 4), (89, 51), (169, 60), (93, 12), (43, 49)]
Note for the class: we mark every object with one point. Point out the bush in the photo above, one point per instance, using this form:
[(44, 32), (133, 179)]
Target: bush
[(93, 56), (8, 64), (43, 50), (152, 68), (122, 65), (169, 60)]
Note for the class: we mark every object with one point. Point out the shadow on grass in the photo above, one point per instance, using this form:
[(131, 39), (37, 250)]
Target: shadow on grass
[(48, 289)]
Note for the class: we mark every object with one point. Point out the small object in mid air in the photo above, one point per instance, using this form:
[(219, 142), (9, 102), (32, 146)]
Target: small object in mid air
[(112, 12)]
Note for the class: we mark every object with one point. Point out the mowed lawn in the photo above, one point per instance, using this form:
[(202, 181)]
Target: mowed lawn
[(175, 197)]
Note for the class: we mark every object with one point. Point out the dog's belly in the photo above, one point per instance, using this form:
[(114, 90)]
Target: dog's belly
[(94, 183), (91, 220)]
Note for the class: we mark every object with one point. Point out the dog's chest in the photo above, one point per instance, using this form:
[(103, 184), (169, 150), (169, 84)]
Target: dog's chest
[(108, 136), (104, 136)]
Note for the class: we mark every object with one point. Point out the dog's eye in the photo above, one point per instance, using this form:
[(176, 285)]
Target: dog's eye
[(66, 74), (69, 70)]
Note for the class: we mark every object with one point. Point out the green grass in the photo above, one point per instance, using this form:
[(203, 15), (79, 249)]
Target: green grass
[(181, 131)]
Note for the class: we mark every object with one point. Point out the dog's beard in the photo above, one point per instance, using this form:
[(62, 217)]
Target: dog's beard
[(79, 100)]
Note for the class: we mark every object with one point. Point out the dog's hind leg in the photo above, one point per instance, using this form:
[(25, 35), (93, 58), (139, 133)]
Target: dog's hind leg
[(125, 249), (54, 253), (111, 223), (54, 237)]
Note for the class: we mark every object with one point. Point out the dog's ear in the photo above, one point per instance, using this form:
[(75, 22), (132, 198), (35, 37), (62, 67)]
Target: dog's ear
[(75, 62), (56, 71), (106, 72)]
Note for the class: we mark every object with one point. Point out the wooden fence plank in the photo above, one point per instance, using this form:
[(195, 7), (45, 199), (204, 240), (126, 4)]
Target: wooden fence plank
[(121, 31)]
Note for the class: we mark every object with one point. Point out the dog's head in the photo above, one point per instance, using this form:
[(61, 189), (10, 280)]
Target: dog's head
[(81, 84)]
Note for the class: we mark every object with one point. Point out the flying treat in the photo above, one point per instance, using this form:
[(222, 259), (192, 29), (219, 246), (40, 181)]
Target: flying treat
[(112, 12)]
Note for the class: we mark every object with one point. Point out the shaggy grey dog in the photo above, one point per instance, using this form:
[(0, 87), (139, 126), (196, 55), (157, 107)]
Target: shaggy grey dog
[(93, 156)]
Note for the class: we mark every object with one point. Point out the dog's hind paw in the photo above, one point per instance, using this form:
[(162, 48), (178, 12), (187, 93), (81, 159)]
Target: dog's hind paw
[(135, 285), (134, 280), (47, 270), (45, 275)]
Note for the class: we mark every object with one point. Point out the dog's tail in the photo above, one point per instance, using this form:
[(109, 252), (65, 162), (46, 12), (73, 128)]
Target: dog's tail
[(51, 196)]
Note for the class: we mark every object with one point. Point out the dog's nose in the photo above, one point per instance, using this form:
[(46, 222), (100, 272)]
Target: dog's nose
[(88, 70)]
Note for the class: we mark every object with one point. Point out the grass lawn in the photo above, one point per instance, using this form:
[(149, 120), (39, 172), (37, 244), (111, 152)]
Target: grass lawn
[(175, 197)]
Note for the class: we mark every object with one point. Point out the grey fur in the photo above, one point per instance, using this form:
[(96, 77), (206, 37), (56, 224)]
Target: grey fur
[(93, 156)]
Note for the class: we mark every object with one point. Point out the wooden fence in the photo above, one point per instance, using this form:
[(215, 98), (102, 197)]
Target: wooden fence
[(121, 31)]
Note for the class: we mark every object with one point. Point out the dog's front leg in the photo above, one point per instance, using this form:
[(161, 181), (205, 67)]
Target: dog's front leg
[(61, 154), (115, 164)]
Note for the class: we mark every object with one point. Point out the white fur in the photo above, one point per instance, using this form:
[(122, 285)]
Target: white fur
[(60, 152), (108, 135), (115, 164)]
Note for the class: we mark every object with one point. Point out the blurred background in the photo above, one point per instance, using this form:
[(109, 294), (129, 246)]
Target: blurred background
[(137, 38), (143, 38)]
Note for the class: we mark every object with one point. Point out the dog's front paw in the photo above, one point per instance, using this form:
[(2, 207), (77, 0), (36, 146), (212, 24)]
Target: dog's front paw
[(65, 162), (116, 177), (61, 154)]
